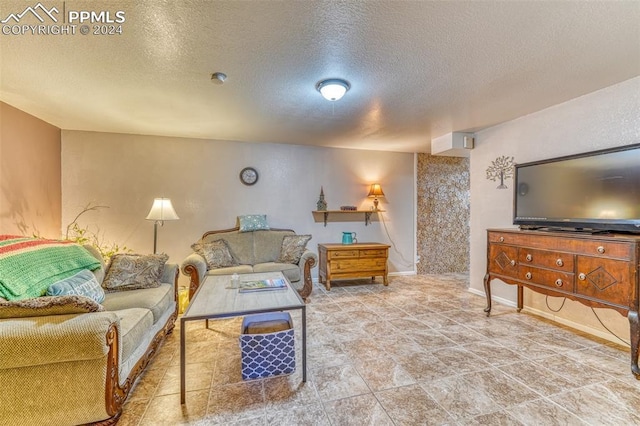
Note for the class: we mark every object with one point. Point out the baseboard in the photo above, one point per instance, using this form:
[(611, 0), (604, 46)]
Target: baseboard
[(550, 316), (500, 300), (402, 273)]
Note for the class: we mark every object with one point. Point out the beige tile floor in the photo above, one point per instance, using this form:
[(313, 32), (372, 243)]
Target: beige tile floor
[(420, 351)]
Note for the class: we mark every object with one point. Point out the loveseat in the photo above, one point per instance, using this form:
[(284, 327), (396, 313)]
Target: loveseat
[(64, 363), (251, 251)]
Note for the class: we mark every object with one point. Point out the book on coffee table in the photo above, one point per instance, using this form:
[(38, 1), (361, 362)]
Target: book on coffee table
[(259, 285)]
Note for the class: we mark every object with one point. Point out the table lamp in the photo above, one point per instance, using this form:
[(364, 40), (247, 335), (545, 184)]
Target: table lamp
[(375, 192)]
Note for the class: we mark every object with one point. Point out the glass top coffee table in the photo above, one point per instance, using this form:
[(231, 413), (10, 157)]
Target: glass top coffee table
[(216, 299)]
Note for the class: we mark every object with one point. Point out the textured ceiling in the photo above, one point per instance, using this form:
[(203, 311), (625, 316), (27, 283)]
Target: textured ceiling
[(417, 69)]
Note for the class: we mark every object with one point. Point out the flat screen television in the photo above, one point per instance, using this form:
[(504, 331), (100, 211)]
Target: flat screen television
[(593, 191)]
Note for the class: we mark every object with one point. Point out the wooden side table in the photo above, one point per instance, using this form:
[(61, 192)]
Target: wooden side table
[(352, 260)]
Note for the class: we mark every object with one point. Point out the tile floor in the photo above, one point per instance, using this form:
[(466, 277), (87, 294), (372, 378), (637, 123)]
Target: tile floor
[(420, 351)]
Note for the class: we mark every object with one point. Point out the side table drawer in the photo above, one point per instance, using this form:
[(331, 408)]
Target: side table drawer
[(373, 253), (339, 254), (552, 279), (355, 265)]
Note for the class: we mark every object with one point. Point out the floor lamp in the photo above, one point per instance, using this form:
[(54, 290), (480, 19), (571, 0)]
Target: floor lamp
[(161, 210)]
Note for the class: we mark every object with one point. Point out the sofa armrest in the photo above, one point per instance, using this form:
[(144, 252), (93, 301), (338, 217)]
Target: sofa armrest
[(195, 267), (307, 261), (33, 341)]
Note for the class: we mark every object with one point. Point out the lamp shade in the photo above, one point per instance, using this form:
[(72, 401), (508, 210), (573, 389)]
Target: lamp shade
[(333, 89), (376, 190), (162, 210)]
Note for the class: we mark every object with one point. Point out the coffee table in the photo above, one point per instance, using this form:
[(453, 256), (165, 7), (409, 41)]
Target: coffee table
[(214, 299)]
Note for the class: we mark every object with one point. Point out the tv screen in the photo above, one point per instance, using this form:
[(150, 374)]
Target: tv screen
[(597, 190)]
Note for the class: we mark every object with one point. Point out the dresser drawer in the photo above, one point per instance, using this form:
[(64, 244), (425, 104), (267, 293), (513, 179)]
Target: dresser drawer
[(569, 244), (546, 259), (503, 260), (373, 253), (356, 265), (606, 279), (339, 254), (554, 279)]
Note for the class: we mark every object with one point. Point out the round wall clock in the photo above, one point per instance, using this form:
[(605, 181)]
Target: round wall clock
[(248, 176)]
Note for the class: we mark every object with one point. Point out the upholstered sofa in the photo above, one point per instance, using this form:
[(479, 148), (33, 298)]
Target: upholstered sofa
[(253, 251), (75, 368)]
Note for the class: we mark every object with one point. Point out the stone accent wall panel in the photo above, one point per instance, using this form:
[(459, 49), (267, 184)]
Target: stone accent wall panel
[(443, 214)]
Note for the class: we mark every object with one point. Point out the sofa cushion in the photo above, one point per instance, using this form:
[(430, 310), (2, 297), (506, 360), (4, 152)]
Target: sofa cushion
[(252, 222), (216, 253), (84, 283), (157, 300), (292, 248), (134, 271), (240, 269), (99, 273), (134, 324), (292, 272), (48, 305), (266, 245), (240, 243)]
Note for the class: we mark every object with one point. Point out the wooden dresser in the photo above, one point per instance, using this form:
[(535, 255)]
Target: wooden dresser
[(352, 261), (596, 270)]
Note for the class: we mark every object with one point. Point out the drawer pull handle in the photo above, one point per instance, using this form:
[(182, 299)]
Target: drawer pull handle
[(528, 275), (529, 258), (513, 263), (501, 239), (559, 282), (600, 249), (582, 276), (559, 262)]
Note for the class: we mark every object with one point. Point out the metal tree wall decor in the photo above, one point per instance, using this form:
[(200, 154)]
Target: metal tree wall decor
[(501, 168)]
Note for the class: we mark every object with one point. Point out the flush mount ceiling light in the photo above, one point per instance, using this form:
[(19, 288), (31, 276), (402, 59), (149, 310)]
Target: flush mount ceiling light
[(218, 77), (333, 89)]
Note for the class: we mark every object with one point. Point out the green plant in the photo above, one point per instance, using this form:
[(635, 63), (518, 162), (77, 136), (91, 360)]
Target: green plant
[(84, 235)]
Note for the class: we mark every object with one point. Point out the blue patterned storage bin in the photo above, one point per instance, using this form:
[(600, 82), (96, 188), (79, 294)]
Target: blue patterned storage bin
[(268, 354)]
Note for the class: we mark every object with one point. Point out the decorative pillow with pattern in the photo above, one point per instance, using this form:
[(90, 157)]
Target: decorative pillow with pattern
[(84, 283), (292, 248), (48, 305), (134, 271), (253, 222), (217, 254)]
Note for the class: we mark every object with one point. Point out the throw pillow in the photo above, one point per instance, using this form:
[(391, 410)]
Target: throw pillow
[(48, 305), (217, 254), (134, 271), (253, 222), (292, 248), (84, 283)]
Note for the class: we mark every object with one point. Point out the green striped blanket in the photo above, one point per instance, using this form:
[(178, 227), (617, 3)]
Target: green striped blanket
[(28, 266)]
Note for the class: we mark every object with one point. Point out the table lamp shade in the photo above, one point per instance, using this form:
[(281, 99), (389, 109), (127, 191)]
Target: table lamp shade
[(376, 190)]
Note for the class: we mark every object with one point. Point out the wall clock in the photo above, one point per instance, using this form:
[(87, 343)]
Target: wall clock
[(249, 176)]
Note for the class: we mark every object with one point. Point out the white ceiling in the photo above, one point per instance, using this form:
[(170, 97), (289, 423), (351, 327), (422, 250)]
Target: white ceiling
[(417, 69)]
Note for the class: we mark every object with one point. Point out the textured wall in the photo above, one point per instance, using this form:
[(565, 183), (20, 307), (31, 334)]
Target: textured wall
[(125, 172), (30, 194), (442, 214), (602, 119)]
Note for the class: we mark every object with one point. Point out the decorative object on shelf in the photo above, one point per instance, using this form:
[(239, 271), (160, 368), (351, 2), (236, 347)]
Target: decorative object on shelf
[(333, 89), (349, 238), (348, 208), (321, 205), (375, 191), (501, 168), (161, 210), (249, 176)]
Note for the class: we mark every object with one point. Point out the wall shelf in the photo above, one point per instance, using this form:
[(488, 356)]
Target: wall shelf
[(367, 214)]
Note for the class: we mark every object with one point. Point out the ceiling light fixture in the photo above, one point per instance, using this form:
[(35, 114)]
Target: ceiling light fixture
[(333, 89), (218, 77)]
